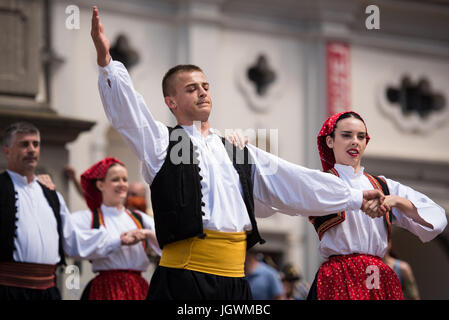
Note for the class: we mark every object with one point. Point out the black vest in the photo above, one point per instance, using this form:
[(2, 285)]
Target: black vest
[(8, 218), (176, 191)]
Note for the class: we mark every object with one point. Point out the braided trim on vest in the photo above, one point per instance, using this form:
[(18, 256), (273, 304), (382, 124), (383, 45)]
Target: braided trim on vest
[(381, 185), (97, 219), (137, 220), (334, 219)]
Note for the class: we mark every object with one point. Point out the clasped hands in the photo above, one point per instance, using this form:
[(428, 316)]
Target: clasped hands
[(132, 237), (375, 204)]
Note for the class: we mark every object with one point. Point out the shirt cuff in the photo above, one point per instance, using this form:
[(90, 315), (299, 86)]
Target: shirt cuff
[(115, 245), (107, 70), (355, 199)]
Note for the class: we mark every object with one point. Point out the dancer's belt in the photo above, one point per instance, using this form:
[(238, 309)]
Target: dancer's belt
[(219, 253), (27, 275)]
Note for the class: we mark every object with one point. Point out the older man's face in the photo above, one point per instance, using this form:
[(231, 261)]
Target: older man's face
[(23, 153)]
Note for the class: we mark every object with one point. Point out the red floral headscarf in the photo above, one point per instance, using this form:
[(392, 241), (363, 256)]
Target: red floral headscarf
[(326, 154), (89, 178)]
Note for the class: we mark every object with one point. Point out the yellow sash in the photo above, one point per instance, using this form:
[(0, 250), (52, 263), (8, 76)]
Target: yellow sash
[(219, 253)]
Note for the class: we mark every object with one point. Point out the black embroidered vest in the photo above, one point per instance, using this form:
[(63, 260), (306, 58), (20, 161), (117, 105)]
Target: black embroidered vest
[(8, 218), (324, 223), (176, 191)]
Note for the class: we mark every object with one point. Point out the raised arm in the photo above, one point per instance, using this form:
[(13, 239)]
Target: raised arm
[(125, 108), (101, 42)]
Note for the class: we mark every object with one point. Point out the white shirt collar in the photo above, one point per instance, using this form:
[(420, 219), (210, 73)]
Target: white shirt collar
[(348, 171), (111, 210), (194, 131), (19, 179)]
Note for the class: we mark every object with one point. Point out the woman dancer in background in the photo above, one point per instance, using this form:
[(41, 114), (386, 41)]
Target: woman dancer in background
[(114, 238)]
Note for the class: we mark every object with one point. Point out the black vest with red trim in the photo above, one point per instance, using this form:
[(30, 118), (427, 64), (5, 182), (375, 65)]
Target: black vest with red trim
[(98, 220), (176, 191), (324, 223), (8, 217)]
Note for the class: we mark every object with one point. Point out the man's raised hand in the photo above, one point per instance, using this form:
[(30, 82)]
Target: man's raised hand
[(101, 43)]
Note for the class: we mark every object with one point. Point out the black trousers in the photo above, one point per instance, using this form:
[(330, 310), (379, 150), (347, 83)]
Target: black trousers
[(181, 284), (16, 293)]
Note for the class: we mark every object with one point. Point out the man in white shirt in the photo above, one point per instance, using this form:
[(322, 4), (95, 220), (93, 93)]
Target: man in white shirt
[(206, 194), (30, 223)]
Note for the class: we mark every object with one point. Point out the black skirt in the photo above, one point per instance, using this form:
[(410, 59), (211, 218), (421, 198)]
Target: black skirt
[(181, 284)]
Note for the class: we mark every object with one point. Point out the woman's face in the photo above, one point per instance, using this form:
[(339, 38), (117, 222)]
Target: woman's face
[(349, 142), (114, 187)]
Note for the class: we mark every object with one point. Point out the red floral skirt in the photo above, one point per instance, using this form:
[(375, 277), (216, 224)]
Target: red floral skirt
[(357, 277), (118, 285)]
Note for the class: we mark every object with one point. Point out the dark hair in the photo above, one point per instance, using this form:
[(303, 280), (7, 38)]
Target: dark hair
[(344, 116), (13, 129), (167, 81)]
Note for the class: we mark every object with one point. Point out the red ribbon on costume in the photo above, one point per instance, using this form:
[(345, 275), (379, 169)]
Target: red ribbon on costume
[(326, 154), (89, 178)]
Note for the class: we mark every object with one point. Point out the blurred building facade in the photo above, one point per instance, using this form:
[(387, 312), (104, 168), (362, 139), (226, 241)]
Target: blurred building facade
[(273, 65)]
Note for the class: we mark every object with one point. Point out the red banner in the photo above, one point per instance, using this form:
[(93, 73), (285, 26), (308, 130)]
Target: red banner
[(338, 77)]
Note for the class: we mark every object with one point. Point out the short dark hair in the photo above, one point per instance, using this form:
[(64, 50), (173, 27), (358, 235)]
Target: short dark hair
[(21, 127), (167, 81), (344, 116)]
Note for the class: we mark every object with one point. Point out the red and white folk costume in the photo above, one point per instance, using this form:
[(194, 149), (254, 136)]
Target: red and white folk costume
[(99, 230), (355, 243)]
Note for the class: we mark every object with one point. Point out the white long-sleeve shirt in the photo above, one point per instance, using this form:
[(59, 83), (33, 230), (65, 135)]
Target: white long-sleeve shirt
[(361, 234), (37, 238), (103, 245), (289, 189)]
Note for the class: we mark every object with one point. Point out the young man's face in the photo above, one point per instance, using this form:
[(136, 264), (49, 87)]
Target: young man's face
[(23, 153), (191, 100)]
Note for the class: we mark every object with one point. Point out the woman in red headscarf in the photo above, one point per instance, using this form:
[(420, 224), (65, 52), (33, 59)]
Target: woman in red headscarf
[(112, 237), (352, 242)]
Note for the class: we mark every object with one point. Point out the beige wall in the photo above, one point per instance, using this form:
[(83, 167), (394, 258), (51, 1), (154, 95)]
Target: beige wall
[(371, 70)]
